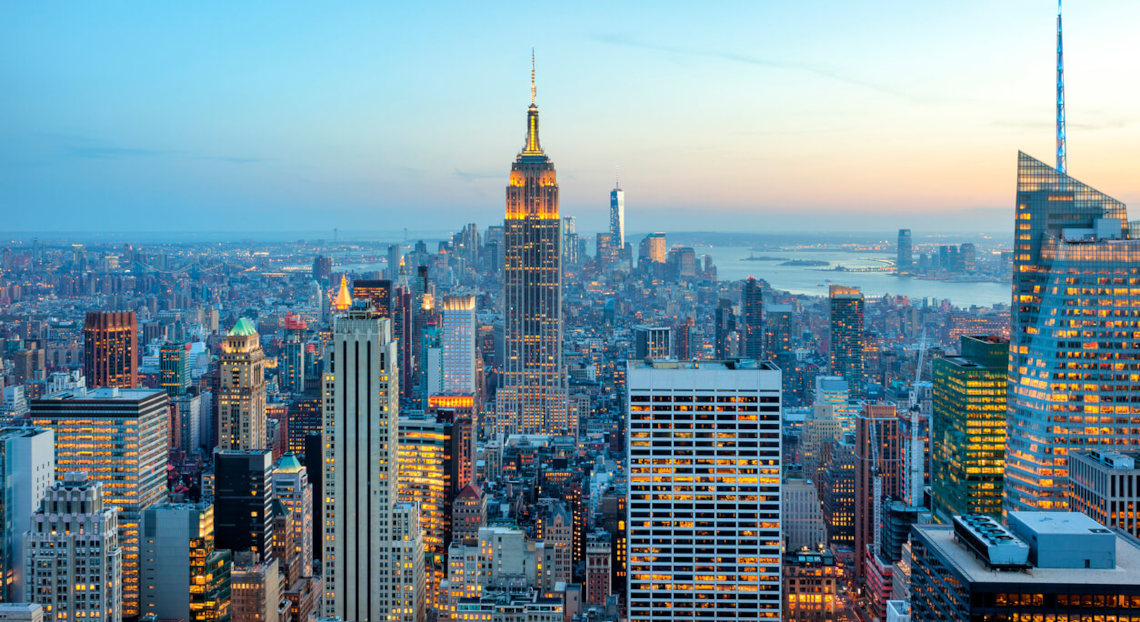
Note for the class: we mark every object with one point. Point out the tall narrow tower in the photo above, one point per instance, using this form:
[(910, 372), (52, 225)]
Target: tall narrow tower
[(533, 395), (1062, 155), (617, 218)]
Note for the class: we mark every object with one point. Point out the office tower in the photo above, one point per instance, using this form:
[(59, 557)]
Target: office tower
[(724, 324), (402, 334), (359, 480), (684, 339), (119, 438), (395, 258), (617, 218), (1105, 485), (174, 362), (241, 393), (243, 493), (555, 528), (569, 241), (904, 260), (651, 250), (110, 349), (255, 589), (654, 342), (752, 319), (803, 517), (426, 479), (1046, 565), (182, 575), (878, 455), (835, 390), (811, 586), (719, 557), (845, 346), (409, 577), (1074, 265), (458, 341), (778, 329), (73, 564), (604, 249), (968, 256), (838, 488), (598, 572), (291, 487), (322, 269), (968, 428), (27, 472), (534, 395), (292, 365), (895, 518), (376, 292), (468, 513)]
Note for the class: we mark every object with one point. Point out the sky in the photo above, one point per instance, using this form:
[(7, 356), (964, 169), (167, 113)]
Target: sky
[(734, 116)]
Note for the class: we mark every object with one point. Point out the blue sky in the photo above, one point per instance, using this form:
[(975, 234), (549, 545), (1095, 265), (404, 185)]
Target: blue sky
[(720, 116)]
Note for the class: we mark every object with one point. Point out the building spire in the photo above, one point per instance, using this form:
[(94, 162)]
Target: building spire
[(1062, 155), (532, 147)]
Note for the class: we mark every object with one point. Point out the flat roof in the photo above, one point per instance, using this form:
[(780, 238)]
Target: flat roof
[(1126, 572), (726, 365), (1059, 523)]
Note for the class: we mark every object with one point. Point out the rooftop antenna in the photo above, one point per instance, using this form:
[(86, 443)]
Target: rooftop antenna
[(532, 67), (1062, 156)]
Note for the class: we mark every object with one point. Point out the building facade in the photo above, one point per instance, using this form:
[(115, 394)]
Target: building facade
[(359, 481), (968, 428), (1076, 268), (182, 575), (73, 563), (1105, 485), (845, 344), (697, 548), (241, 394), (111, 349), (27, 472), (119, 438)]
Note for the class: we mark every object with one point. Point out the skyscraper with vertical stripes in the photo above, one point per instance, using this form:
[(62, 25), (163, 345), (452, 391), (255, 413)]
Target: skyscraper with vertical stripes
[(533, 398)]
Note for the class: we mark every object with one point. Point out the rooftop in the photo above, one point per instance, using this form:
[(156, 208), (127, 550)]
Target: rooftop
[(243, 328), (1126, 572)]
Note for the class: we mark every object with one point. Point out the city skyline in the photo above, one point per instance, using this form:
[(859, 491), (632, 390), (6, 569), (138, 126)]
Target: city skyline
[(317, 120)]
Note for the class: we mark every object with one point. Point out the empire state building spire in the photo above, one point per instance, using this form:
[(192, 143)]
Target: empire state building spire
[(532, 147)]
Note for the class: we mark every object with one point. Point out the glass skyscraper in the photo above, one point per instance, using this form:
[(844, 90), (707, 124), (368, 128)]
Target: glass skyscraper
[(968, 428), (846, 344), (1074, 365), (617, 218)]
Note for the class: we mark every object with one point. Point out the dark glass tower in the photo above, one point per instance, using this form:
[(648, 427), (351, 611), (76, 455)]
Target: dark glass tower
[(752, 314), (846, 343), (533, 399)]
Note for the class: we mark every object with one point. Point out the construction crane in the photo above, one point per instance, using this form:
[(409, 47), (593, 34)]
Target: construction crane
[(915, 454)]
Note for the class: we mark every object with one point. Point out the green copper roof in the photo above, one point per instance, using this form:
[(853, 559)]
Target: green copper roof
[(288, 464), (243, 328)]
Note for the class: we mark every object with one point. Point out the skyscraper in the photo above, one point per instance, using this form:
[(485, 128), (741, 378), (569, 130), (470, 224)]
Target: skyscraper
[(359, 481), (458, 341), (652, 342), (617, 218), (378, 292), (243, 494), (534, 395), (174, 362), (27, 472), (292, 488), (241, 397), (73, 560), (752, 316), (724, 325), (111, 349), (119, 438), (845, 347), (968, 428), (878, 455), (1073, 356), (184, 577), (293, 354), (905, 253), (717, 558)]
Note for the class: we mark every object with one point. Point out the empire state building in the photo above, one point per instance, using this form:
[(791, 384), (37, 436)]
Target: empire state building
[(533, 397)]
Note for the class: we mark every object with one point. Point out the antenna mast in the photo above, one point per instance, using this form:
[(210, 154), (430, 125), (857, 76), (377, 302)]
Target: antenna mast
[(1062, 155)]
